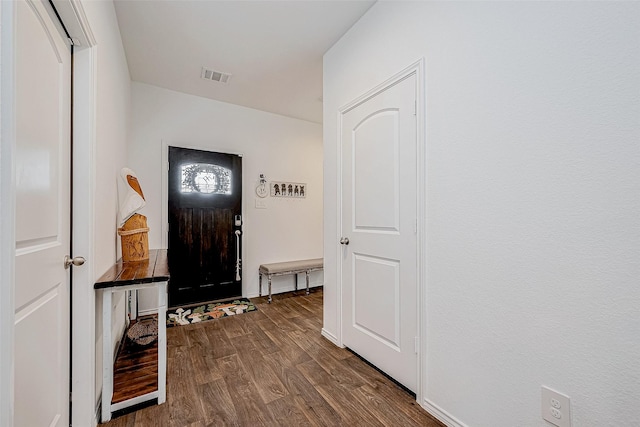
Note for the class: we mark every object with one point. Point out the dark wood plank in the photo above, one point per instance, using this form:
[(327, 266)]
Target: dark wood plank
[(323, 355), (123, 422), (387, 389), (385, 411), (221, 373), (305, 395), (292, 352), (177, 337), (233, 327), (263, 343), (269, 386), (286, 412), (157, 415), (285, 310), (244, 393), (155, 269), (128, 273), (339, 397), (161, 267), (350, 410), (201, 355), (311, 303), (111, 275), (275, 315), (314, 373), (217, 404), (147, 267), (220, 343), (183, 408)]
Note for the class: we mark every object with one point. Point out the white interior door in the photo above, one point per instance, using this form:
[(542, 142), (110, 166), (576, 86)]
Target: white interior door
[(41, 349), (379, 231)]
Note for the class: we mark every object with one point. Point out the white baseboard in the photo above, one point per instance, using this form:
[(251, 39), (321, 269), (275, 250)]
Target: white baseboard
[(442, 415), (147, 312), (328, 335)]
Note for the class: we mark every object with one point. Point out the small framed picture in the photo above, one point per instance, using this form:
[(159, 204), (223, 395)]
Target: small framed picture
[(294, 190)]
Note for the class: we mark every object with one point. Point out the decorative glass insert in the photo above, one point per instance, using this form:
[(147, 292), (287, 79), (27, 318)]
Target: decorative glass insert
[(205, 178)]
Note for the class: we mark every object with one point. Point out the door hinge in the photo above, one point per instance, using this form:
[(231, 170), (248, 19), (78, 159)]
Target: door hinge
[(415, 107), (416, 344), (415, 226)]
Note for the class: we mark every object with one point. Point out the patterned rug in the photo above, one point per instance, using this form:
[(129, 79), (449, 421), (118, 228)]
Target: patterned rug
[(204, 312)]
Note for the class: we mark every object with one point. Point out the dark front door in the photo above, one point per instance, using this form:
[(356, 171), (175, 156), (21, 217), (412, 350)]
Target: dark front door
[(205, 206)]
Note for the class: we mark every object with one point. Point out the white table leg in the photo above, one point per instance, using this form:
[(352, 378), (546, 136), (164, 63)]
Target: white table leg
[(107, 356), (162, 342), (133, 299)]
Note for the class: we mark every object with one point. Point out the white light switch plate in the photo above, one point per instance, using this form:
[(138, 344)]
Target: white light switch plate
[(261, 204), (556, 408)]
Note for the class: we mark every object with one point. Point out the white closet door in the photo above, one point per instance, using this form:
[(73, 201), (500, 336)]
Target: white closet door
[(379, 205), (43, 107)]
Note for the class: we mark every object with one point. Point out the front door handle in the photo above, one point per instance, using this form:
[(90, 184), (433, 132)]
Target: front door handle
[(75, 261), (238, 261)]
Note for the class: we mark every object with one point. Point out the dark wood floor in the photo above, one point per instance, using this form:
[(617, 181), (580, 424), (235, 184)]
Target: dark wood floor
[(273, 368)]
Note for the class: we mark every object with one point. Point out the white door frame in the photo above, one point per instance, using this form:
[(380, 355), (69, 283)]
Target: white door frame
[(7, 210), (83, 328), (416, 68)]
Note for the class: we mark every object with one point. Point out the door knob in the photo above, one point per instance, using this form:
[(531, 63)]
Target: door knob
[(344, 241), (76, 261)]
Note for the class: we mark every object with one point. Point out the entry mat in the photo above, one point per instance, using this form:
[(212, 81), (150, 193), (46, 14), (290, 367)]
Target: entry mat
[(203, 312)]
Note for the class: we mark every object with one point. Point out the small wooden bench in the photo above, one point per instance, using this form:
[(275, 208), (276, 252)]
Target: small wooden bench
[(291, 267)]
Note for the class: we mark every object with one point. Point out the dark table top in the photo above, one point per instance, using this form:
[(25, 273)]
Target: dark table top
[(154, 269)]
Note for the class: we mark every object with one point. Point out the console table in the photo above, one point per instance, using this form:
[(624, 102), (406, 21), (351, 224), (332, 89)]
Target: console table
[(127, 276)]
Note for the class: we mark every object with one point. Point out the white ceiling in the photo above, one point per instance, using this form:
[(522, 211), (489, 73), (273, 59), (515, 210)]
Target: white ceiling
[(272, 49)]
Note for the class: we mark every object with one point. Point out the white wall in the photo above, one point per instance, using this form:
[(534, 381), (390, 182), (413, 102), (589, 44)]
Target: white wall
[(533, 182), (280, 147), (113, 110)]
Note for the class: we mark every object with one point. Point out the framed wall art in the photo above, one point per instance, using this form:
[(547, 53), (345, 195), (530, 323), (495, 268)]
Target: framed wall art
[(295, 190)]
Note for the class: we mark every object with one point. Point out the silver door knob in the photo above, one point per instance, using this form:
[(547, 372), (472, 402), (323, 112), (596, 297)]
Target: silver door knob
[(344, 241), (76, 261)]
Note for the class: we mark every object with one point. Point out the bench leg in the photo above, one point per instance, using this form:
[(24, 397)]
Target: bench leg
[(307, 282), (269, 301), (259, 284)]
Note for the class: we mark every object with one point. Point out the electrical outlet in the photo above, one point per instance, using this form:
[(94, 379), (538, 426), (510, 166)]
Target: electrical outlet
[(261, 204), (556, 408)]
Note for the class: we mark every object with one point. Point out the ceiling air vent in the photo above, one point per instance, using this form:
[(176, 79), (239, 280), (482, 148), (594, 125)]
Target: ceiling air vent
[(216, 76)]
